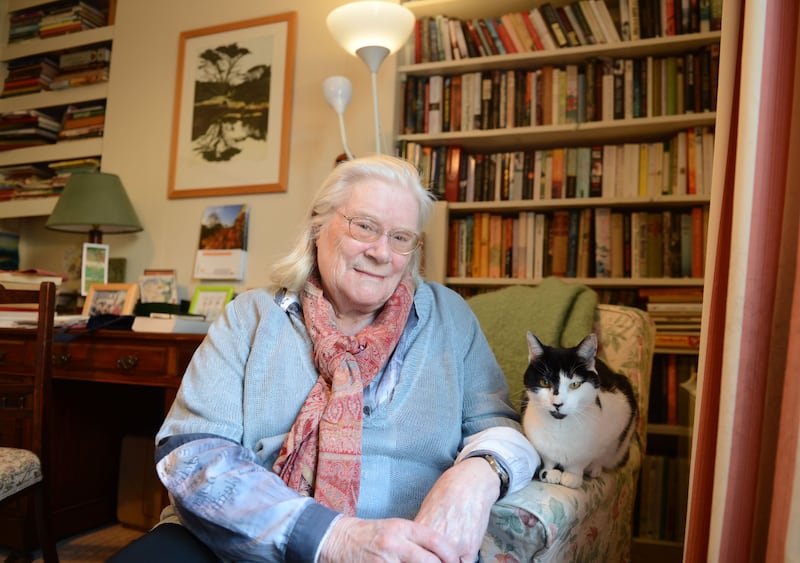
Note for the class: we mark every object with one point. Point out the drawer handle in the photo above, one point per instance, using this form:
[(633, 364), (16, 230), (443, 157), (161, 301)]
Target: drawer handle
[(61, 359), (127, 362), (2, 356)]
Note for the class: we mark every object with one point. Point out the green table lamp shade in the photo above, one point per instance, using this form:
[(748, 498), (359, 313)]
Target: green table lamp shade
[(94, 203)]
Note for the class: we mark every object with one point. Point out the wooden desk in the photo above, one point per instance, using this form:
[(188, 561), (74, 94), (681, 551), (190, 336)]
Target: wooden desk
[(106, 384)]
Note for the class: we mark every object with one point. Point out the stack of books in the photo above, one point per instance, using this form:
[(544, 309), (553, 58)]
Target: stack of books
[(83, 120), (30, 278), (676, 312), (29, 75), (27, 128), (15, 180), (24, 24), (82, 66), (70, 16), (54, 19), (38, 180)]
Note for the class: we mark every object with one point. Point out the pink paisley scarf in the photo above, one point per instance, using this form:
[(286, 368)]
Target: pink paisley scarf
[(321, 455)]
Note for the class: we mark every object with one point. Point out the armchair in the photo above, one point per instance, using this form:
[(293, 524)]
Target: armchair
[(552, 523)]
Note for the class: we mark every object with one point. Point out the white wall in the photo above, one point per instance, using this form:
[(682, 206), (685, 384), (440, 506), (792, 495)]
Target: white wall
[(139, 123)]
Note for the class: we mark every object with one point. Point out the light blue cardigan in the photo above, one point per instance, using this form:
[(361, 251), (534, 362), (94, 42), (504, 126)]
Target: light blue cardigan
[(249, 378)]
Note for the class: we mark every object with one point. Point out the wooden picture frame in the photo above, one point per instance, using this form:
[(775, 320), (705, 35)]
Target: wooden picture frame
[(111, 299), (231, 136), (210, 300)]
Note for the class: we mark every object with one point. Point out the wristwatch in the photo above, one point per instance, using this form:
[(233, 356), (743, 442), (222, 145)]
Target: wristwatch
[(501, 473)]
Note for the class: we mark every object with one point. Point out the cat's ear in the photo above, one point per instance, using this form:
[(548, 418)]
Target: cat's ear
[(535, 348), (587, 349)]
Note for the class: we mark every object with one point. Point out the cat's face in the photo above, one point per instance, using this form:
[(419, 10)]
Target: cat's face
[(561, 381)]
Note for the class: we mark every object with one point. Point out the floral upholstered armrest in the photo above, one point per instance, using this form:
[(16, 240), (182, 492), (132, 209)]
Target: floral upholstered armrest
[(552, 523)]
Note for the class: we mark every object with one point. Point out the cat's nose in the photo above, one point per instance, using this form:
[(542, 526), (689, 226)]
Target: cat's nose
[(558, 405)]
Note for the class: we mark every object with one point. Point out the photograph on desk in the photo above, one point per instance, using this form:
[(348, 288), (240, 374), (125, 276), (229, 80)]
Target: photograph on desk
[(111, 299)]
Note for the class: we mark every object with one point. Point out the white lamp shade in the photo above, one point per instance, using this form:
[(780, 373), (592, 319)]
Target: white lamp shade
[(337, 90), (369, 24)]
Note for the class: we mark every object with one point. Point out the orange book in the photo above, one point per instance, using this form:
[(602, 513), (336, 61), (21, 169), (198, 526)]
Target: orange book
[(558, 242), (495, 246), (547, 95)]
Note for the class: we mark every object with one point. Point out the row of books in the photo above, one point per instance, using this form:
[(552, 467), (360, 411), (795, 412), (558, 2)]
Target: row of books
[(547, 27), (680, 165), (598, 90), (660, 512), (584, 243), (56, 72), (24, 181), (56, 18)]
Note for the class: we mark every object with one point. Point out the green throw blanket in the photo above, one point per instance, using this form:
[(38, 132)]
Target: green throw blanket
[(558, 313)]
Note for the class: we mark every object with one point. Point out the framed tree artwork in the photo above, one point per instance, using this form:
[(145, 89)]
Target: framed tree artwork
[(233, 102)]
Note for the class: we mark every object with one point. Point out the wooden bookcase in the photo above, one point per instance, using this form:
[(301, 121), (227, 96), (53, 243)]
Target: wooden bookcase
[(671, 441), (64, 150)]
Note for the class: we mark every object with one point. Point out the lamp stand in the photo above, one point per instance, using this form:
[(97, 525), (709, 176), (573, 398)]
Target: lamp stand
[(96, 236), (373, 56)]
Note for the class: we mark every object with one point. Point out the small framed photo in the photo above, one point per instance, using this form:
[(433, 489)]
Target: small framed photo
[(158, 287), (111, 299), (210, 300)]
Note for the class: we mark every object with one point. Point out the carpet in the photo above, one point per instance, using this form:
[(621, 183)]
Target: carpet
[(94, 546)]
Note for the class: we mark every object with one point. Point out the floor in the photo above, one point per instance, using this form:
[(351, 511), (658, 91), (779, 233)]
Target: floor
[(91, 547)]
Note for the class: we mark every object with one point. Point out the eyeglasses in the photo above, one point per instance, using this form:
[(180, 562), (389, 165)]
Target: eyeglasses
[(364, 229)]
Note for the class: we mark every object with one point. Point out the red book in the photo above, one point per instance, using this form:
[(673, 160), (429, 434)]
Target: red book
[(697, 242), (672, 389), (452, 173), (535, 36), (476, 39), (417, 42), (508, 43)]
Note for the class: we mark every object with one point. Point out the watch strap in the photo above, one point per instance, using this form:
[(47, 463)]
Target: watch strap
[(502, 474)]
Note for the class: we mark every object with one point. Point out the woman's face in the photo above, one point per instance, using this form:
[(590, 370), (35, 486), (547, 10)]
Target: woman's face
[(359, 277)]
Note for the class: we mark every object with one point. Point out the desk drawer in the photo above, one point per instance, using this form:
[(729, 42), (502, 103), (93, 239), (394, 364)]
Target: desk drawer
[(16, 355), (119, 359)]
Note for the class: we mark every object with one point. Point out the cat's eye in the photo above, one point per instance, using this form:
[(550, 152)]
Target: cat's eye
[(575, 384), (544, 383)]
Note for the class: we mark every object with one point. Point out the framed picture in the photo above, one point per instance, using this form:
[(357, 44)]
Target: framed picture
[(210, 300), (94, 265), (233, 103), (111, 299), (158, 287)]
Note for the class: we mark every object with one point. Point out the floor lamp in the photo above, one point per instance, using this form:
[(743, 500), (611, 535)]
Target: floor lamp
[(371, 30)]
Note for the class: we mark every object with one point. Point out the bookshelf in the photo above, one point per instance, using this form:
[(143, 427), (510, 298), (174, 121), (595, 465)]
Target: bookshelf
[(55, 99), (447, 246)]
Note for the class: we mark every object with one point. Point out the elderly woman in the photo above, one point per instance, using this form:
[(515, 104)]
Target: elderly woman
[(352, 412)]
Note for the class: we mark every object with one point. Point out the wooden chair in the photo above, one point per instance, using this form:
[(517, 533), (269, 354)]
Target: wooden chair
[(25, 413)]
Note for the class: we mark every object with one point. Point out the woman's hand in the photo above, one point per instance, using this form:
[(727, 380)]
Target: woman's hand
[(459, 503), (353, 540)]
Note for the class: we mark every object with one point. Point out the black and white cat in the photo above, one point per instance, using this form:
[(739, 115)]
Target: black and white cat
[(578, 414)]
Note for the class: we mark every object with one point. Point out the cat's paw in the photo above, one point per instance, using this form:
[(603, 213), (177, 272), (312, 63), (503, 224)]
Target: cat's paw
[(552, 476), (594, 470), (571, 480)]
